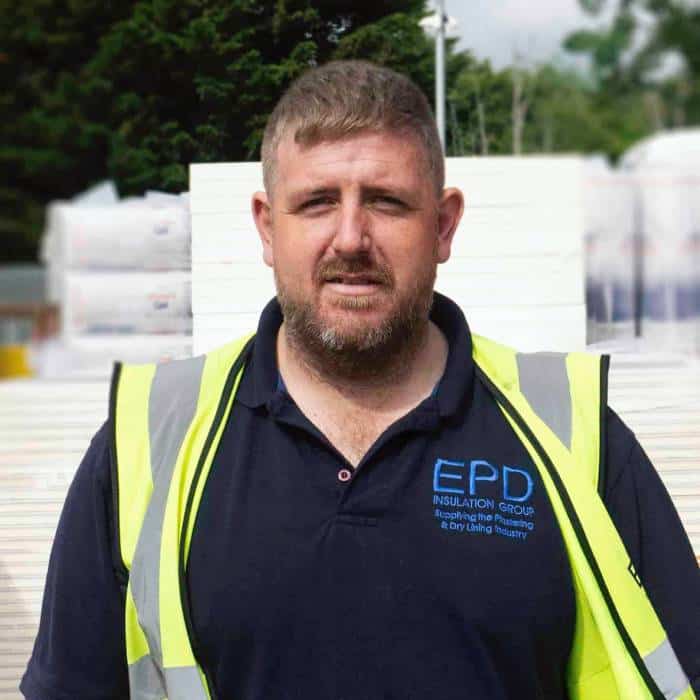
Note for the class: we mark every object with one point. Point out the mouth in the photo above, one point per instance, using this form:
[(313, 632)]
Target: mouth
[(353, 279), (354, 283)]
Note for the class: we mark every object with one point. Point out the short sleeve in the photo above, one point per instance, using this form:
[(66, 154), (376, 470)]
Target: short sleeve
[(79, 652), (656, 541)]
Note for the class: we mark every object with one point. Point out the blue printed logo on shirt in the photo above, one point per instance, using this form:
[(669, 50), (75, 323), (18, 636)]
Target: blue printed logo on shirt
[(478, 497)]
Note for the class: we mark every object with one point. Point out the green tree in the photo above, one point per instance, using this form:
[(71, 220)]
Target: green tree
[(571, 114), (480, 101), (45, 44), (136, 90), (627, 60)]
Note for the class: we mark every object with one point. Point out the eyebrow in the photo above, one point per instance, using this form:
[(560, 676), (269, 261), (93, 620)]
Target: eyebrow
[(298, 197), (396, 192)]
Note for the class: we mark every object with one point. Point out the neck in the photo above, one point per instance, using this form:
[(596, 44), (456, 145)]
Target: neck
[(404, 378)]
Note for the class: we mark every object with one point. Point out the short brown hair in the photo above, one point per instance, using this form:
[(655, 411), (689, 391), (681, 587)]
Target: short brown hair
[(342, 98)]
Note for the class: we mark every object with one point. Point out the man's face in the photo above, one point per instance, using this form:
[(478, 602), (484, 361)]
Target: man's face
[(354, 231)]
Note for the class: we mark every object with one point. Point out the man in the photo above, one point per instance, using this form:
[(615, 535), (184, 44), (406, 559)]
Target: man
[(366, 501)]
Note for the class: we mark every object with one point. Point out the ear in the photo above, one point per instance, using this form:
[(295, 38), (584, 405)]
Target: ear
[(262, 215), (450, 209)]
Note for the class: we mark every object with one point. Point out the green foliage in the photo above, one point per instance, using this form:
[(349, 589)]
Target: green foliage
[(607, 48), (136, 90), (592, 6), (396, 41), (477, 88), (627, 63), (569, 114)]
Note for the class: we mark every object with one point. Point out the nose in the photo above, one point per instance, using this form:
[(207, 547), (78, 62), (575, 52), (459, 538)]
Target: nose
[(352, 235)]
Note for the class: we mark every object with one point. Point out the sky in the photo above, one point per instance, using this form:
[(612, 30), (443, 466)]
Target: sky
[(496, 29)]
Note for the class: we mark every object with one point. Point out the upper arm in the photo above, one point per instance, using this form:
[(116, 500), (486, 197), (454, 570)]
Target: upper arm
[(79, 652), (656, 541)]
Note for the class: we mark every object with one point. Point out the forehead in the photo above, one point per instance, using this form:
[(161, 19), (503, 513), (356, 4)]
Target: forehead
[(366, 158)]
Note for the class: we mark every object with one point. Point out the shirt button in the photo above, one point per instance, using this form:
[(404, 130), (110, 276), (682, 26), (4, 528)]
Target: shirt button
[(344, 475)]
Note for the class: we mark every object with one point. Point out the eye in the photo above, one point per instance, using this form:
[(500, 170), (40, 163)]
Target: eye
[(316, 203), (387, 203)]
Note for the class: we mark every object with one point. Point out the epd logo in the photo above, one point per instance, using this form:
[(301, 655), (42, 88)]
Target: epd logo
[(456, 478)]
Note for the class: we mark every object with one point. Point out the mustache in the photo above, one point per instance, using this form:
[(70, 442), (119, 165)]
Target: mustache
[(377, 273)]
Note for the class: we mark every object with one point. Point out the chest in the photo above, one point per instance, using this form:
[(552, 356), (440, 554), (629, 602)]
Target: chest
[(397, 583), (351, 432)]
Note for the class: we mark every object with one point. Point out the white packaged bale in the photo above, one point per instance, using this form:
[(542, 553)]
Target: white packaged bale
[(128, 235), (596, 177), (158, 198), (93, 356), (100, 195), (127, 302), (610, 251), (50, 250), (666, 169)]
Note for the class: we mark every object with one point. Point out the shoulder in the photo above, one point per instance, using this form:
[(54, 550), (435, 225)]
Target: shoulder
[(625, 459), (639, 503), (89, 496), (94, 471)]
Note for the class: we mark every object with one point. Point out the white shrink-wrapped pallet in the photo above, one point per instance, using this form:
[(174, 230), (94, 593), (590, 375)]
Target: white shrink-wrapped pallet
[(666, 169), (152, 235), (120, 272), (126, 302), (610, 244), (50, 248), (93, 356)]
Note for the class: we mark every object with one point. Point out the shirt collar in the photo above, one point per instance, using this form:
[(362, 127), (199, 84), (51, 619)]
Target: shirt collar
[(261, 382)]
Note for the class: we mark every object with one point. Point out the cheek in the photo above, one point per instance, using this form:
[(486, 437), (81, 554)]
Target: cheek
[(295, 263), (408, 253)]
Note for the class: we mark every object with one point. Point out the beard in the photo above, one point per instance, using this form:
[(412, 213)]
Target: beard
[(353, 349)]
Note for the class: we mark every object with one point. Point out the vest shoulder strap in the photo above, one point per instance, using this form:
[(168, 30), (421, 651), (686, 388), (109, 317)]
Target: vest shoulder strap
[(166, 423), (151, 408), (556, 404), (566, 392)]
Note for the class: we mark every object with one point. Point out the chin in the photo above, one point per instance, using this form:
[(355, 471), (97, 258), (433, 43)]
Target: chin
[(355, 306), (356, 332)]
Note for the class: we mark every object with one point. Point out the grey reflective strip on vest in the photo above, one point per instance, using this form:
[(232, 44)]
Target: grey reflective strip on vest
[(663, 665), (545, 383), (172, 405), (184, 683), (145, 680)]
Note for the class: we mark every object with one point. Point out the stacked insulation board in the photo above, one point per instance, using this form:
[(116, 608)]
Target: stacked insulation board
[(658, 396), (516, 266), (45, 428)]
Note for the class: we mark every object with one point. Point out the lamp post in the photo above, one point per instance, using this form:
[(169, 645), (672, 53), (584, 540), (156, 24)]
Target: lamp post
[(438, 25), (440, 72)]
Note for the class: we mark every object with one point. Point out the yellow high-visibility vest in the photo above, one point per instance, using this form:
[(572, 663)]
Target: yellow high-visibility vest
[(168, 420)]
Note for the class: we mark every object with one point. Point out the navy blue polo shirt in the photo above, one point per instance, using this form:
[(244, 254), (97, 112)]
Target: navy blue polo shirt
[(434, 569)]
